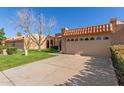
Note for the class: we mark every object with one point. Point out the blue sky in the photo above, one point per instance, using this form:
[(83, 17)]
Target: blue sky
[(66, 17)]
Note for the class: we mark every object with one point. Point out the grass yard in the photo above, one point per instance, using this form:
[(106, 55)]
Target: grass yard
[(19, 58)]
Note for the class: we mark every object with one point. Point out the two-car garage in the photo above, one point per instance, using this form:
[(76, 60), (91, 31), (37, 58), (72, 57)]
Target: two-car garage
[(87, 47)]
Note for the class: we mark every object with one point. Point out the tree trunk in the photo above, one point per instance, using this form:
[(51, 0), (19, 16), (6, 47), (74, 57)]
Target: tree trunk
[(39, 48), (26, 52)]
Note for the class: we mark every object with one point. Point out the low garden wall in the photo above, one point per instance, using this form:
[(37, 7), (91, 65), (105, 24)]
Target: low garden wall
[(118, 62)]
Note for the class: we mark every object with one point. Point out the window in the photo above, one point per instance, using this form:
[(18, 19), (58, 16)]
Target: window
[(81, 39), (92, 38), (72, 39), (98, 38), (105, 38), (76, 39), (86, 39), (68, 40)]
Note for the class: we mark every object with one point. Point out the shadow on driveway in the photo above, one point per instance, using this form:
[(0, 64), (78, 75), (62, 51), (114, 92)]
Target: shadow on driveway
[(97, 72)]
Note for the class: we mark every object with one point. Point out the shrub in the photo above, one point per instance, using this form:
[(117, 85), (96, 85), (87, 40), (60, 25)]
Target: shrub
[(118, 62), (54, 47), (11, 50)]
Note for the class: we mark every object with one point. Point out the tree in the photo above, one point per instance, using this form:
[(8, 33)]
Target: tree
[(2, 35), (19, 34), (33, 27), (24, 21), (42, 27)]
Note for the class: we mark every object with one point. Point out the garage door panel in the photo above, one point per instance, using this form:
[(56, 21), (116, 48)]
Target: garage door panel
[(92, 48)]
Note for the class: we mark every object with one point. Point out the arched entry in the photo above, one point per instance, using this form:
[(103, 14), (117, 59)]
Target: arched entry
[(47, 44)]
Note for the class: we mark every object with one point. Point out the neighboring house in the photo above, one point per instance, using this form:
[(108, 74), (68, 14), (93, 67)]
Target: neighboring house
[(16, 42), (19, 42), (93, 40)]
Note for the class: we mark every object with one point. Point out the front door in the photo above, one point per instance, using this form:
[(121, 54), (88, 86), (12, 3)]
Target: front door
[(60, 45)]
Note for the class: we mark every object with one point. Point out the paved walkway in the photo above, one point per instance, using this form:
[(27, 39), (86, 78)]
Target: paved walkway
[(62, 70)]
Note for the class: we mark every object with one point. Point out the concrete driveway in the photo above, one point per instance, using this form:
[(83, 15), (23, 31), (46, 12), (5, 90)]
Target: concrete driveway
[(62, 70)]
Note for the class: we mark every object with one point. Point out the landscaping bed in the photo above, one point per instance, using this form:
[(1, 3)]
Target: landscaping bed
[(49, 50), (9, 61), (118, 62)]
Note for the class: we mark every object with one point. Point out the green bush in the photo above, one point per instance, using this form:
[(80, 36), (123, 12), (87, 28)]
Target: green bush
[(54, 47), (118, 62), (11, 50)]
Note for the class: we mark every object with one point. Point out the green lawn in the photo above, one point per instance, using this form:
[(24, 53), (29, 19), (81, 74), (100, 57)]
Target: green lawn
[(19, 58)]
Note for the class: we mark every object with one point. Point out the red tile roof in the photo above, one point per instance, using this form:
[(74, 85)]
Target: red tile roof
[(17, 39), (105, 28)]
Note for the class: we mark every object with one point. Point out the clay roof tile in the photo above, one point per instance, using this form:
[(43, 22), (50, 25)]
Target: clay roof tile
[(89, 30)]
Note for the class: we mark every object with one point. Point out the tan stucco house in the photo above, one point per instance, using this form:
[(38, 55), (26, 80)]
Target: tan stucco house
[(92, 40)]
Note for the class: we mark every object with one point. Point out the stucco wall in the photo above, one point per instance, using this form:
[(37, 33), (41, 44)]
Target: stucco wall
[(34, 46), (19, 45), (63, 45), (118, 37)]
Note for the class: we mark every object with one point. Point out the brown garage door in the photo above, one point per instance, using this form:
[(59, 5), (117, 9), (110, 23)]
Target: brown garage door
[(90, 48)]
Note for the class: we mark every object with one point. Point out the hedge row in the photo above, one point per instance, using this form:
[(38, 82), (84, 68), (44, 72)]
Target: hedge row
[(9, 50), (118, 62)]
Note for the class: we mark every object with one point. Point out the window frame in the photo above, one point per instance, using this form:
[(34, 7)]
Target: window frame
[(98, 38), (86, 39), (92, 38), (106, 38), (81, 39), (68, 40), (72, 39)]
